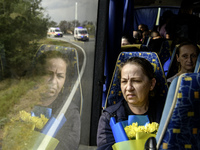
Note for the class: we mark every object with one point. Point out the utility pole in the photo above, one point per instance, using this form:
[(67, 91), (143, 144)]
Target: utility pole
[(76, 9)]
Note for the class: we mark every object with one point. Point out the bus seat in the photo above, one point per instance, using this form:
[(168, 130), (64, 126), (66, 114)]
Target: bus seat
[(74, 73), (165, 51), (114, 92), (173, 68), (145, 43), (180, 122), (131, 47), (166, 66), (197, 67)]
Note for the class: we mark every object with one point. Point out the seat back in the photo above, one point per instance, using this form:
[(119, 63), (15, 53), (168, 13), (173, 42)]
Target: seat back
[(73, 74), (114, 92), (197, 67), (165, 51), (131, 47), (173, 68), (180, 122)]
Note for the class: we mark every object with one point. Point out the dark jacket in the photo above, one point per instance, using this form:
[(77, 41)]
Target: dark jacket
[(105, 138)]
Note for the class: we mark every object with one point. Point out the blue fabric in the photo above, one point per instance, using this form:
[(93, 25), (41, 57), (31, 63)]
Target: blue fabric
[(175, 10), (148, 15), (168, 105), (173, 68), (166, 66), (118, 131), (128, 17), (145, 16), (182, 131), (165, 51), (115, 25), (118, 128), (54, 125), (140, 119), (120, 23), (197, 67)]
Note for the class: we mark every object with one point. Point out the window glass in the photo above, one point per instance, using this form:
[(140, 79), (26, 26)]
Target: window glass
[(46, 76)]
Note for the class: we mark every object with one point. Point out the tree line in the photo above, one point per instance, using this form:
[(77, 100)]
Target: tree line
[(23, 24), (68, 26)]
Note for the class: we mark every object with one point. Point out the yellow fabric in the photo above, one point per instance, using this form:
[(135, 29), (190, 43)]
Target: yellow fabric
[(137, 144)]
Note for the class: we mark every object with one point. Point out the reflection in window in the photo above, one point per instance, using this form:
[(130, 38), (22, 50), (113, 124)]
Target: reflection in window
[(45, 115)]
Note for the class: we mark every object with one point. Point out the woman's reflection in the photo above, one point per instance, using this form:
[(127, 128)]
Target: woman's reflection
[(53, 72), (55, 68)]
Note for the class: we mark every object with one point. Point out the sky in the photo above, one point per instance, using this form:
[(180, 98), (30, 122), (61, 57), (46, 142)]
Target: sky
[(60, 10)]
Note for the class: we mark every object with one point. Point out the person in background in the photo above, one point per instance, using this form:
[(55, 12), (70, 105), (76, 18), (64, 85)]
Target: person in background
[(137, 82), (166, 16), (186, 56), (143, 27), (185, 25), (127, 40), (145, 33), (137, 35), (155, 42)]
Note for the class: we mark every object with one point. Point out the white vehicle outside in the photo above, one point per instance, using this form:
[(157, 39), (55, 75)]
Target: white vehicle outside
[(54, 32), (81, 33)]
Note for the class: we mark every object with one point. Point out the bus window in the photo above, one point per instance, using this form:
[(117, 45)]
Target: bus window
[(46, 77), (52, 88)]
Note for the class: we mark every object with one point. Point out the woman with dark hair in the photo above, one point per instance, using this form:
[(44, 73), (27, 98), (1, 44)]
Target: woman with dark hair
[(127, 40), (52, 74), (137, 81), (55, 67)]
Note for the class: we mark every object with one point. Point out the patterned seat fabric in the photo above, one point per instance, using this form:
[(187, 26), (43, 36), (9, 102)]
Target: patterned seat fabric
[(182, 124), (114, 92)]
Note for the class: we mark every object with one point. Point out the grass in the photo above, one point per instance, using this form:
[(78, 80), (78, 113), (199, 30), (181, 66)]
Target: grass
[(11, 93)]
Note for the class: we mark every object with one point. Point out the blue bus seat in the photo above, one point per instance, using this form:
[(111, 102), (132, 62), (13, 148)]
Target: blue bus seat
[(165, 51), (197, 66), (180, 121), (166, 66), (74, 69), (145, 43), (114, 92), (173, 68)]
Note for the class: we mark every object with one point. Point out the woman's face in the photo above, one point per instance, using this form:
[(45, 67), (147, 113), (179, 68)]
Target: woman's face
[(54, 78), (187, 58), (135, 85)]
